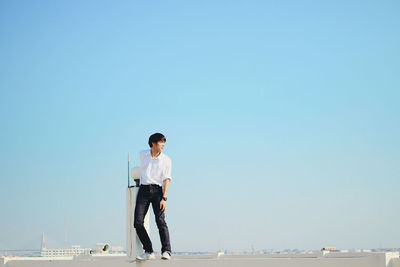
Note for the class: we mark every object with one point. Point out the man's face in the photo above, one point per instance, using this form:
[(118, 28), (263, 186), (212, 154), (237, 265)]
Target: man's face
[(159, 146)]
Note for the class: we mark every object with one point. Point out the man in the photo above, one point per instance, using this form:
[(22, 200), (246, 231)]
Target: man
[(154, 182)]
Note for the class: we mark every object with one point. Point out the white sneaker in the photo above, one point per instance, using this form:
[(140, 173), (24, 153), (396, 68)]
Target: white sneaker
[(146, 256), (166, 256)]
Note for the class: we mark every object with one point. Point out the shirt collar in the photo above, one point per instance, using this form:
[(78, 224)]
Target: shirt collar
[(149, 154)]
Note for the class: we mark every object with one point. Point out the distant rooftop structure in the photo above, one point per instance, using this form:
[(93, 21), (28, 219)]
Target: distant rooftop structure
[(64, 252)]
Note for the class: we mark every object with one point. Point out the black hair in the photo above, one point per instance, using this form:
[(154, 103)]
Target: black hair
[(155, 138)]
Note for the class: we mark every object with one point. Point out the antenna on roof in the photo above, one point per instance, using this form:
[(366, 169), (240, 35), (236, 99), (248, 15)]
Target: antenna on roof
[(43, 244), (129, 182), (65, 231)]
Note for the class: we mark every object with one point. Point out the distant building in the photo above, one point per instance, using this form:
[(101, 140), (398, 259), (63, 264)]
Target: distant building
[(117, 250), (64, 252), (331, 249)]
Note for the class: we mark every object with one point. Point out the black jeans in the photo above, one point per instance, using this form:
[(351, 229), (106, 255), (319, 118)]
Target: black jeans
[(151, 194)]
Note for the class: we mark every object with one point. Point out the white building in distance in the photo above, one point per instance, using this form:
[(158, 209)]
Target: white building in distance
[(64, 252)]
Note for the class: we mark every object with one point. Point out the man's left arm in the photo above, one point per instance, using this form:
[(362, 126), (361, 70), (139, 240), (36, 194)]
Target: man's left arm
[(165, 186), (163, 203)]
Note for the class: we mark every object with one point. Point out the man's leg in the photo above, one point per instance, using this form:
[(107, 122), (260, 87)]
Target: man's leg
[(142, 206), (161, 224)]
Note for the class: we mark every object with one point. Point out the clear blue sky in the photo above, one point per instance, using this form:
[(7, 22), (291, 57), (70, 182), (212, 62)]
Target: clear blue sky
[(281, 117)]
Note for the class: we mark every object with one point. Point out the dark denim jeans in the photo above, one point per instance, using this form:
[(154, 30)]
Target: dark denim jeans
[(151, 194)]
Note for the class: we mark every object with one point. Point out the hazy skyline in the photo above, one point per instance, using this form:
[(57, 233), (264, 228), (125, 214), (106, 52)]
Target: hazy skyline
[(281, 118)]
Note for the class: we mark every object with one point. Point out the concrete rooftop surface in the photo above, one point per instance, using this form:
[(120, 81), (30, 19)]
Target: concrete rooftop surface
[(373, 259)]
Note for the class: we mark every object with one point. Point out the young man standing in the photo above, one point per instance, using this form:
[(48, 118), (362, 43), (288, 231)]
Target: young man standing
[(154, 182)]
